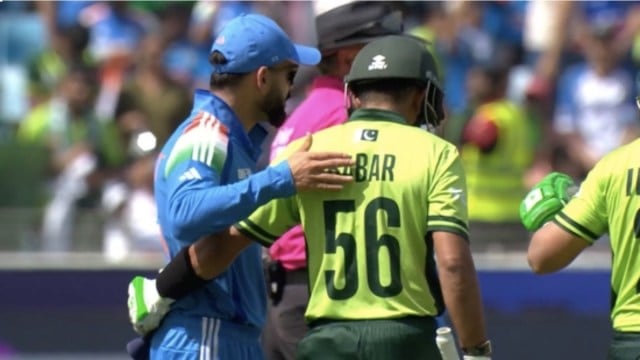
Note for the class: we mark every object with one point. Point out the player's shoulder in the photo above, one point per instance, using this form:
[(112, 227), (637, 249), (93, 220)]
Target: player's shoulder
[(428, 141), (624, 154), (201, 138)]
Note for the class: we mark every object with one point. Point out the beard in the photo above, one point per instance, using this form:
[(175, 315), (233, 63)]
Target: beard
[(274, 107)]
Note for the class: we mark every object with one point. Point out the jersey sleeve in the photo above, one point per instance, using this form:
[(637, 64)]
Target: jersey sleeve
[(447, 203), (198, 204), (270, 221), (585, 215)]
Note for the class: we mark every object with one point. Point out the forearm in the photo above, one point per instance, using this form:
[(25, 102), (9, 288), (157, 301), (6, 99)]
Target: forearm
[(211, 255), (463, 301), (193, 267)]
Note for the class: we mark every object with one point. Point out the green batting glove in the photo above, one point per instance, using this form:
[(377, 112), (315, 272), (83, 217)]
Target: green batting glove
[(146, 307), (546, 199)]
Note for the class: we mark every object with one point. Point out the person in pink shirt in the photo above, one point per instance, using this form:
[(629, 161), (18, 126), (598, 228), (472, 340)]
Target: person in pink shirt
[(342, 32)]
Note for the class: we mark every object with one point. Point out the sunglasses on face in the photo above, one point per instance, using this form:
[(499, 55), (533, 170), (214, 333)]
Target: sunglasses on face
[(290, 70)]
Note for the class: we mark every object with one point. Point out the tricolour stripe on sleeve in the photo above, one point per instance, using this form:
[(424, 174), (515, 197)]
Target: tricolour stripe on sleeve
[(205, 140)]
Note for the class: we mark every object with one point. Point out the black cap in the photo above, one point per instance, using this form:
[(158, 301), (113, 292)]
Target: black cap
[(394, 57), (357, 22), (401, 57)]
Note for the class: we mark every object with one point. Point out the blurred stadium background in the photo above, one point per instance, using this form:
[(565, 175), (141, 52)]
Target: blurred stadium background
[(90, 90)]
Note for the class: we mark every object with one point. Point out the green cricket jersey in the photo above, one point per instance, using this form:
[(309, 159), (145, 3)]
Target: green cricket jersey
[(368, 253), (609, 201)]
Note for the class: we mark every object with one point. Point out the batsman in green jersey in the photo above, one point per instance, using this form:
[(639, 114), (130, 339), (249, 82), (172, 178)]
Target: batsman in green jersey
[(371, 247), (373, 281), (608, 201)]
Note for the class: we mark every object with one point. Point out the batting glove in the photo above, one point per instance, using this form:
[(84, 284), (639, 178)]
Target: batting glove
[(146, 306), (545, 200)]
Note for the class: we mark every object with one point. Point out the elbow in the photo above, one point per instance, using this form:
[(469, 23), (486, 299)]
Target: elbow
[(455, 265), (537, 265), (177, 228), (540, 263), (179, 224)]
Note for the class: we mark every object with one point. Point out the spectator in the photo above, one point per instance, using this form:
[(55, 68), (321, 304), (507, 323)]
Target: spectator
[(462, 44), (115, 34), (131, 220), (68, 46), (496, 151), (151, 91), (595, 110), (81, 146)]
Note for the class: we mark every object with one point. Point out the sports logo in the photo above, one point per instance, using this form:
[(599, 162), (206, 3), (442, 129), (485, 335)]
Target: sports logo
[(378, 63), (191, 174), (457, 194)]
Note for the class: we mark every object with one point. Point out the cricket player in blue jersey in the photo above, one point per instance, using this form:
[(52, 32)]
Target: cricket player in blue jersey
[(205, 181)]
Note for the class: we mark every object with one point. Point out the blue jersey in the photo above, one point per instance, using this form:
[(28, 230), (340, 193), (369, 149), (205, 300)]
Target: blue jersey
[(205, 182)]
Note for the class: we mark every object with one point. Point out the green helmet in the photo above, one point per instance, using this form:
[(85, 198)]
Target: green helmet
[(401, 57)]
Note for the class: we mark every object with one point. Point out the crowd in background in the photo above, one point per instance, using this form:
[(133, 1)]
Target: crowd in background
[(90, 91)]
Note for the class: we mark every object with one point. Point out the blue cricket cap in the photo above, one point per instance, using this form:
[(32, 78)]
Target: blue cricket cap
[(254, 40)]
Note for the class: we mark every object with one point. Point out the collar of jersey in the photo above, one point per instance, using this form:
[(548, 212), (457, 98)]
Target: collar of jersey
[(252, 141), (377, 115)]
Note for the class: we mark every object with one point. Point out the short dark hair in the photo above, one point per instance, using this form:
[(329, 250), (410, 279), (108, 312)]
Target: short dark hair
[(222, 80), (393, 89)]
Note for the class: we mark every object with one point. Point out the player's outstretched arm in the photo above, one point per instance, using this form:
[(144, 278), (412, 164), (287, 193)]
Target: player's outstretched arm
[(461, 292), (188, 271), (198, 205), (211, 255)]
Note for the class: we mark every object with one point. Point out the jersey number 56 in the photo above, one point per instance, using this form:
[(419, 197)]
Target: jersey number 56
[(373, 243)]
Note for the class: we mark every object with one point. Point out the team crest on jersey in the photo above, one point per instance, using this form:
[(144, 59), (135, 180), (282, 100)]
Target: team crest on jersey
[(205, 140), (366, 135)]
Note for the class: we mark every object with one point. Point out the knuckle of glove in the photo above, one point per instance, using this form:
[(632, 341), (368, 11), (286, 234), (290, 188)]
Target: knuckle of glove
[(540, 206)]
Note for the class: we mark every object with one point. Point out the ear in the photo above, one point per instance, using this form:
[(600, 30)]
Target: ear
[(354, 101), (262, 76), (418, 99)]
